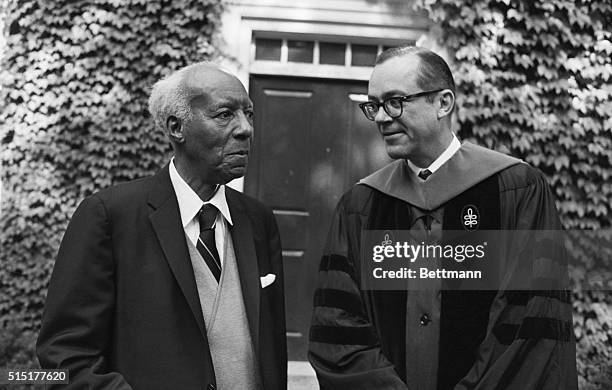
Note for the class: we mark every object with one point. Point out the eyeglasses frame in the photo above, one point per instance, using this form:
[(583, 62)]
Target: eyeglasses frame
[(405, 98)]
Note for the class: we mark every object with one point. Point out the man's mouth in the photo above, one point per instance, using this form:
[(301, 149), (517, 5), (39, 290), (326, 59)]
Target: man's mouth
[(239, 153), (388, 133)]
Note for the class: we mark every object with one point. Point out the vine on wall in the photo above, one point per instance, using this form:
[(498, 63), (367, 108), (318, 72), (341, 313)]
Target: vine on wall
[(534, 80), (75, 82)]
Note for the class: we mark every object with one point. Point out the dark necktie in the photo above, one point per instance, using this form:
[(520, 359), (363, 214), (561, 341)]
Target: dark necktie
[(206, 242), (424, 174)]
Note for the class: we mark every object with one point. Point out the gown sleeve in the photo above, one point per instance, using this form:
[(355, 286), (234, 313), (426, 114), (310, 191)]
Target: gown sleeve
[(530, 342), (344, 345)]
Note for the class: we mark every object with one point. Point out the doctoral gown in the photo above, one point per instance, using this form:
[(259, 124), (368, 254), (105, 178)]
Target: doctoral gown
[(444, 339)]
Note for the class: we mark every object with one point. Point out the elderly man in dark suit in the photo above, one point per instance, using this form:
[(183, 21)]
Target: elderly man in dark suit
[(174, 281)]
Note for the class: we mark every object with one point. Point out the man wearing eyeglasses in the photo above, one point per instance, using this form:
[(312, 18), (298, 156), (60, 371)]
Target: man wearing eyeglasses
[(435, 337)]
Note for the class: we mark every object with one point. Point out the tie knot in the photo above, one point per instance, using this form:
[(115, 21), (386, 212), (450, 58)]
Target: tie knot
[(207, 216), (424, 174)]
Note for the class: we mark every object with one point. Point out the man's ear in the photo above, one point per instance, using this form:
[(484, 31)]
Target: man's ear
[(175, 129), (446, 103)]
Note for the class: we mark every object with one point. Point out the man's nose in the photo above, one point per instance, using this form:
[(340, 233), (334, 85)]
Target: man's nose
[(245, 125), (382, 116)]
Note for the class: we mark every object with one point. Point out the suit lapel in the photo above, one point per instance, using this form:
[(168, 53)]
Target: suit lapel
[(246, 258), (166, 221)]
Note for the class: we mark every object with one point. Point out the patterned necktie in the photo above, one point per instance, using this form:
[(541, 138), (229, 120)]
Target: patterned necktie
[(424, 174), (206, 241)]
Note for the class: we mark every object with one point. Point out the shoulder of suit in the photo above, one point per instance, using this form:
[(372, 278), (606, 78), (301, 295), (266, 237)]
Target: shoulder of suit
[(520, 176), (252, 204), (125, 193), (357, 199)]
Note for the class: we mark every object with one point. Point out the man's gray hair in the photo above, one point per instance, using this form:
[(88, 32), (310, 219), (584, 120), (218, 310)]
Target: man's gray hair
[(171, 96)]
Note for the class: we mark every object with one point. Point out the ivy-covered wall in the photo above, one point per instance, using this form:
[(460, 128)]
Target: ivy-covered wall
[(535, 80), (75, 81)]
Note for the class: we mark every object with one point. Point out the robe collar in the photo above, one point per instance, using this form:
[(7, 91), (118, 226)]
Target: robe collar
[(468, 167), (443, 158)]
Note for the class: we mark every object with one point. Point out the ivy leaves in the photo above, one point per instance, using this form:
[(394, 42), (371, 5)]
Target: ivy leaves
[(75, 86)]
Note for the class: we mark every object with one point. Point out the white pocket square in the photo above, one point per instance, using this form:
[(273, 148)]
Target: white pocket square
[(267, 280)]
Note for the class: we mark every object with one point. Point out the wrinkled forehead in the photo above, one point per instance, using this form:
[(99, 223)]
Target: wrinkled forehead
[(396, 76), (213, 85)]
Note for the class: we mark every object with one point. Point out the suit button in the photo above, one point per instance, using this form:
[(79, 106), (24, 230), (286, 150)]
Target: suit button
[(211, 387), (425, 320)]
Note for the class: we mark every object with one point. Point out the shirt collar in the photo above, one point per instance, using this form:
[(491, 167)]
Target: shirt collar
[(454, 146), (190, 203)]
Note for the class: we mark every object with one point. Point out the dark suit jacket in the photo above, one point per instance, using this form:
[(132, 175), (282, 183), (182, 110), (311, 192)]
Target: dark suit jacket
[(122, 309)]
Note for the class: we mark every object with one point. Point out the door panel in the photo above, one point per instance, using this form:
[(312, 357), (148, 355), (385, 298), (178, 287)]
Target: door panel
[(311, 144)]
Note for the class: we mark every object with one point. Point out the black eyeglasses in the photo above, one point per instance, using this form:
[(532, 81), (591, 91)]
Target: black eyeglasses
[(392, 106)]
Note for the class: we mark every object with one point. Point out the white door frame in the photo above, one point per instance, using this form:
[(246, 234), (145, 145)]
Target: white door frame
[(390, 22)]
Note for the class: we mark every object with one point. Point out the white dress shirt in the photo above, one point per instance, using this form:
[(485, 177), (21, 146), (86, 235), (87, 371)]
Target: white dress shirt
[(449, 152), (190, 204)]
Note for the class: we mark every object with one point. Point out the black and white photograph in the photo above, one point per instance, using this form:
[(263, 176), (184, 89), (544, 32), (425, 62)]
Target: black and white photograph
[(323, 194)]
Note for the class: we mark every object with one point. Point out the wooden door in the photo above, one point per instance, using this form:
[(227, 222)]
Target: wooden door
[(311, 144)]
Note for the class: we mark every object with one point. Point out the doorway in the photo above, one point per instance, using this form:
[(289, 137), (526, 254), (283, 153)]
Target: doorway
[(311, 144)]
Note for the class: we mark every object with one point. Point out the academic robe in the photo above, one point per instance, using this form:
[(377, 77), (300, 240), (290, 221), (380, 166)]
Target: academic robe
[(499, 339)]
